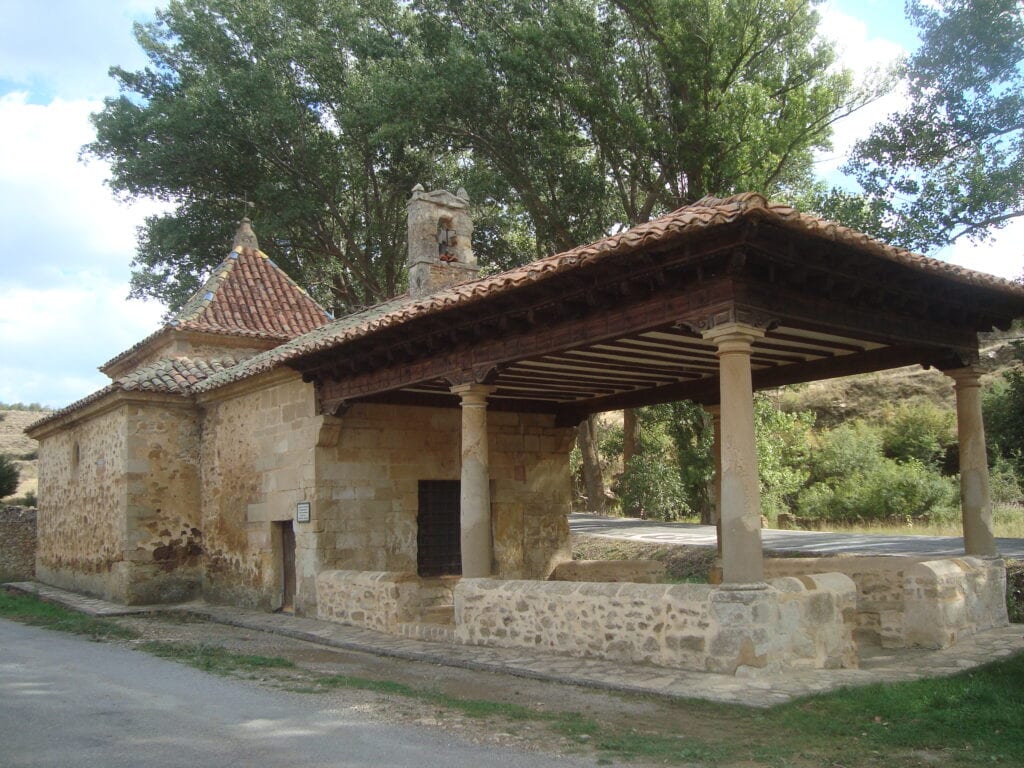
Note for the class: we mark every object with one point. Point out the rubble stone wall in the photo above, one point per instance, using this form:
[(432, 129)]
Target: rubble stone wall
[(17, 543), (791, 623), (904, 602), (164, 541), (379, 600), (82, 500)]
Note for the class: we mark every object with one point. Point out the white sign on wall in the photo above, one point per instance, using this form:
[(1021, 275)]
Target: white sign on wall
[(302, 512)]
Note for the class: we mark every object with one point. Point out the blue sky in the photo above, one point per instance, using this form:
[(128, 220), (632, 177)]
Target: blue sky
[(66, 243)]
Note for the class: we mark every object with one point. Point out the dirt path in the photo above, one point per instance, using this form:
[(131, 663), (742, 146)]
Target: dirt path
[(313, 662)]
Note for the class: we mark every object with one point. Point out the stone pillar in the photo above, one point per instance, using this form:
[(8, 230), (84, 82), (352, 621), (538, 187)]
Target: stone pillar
[(475, 500), (975, 504), (740, 497), (715, 490)]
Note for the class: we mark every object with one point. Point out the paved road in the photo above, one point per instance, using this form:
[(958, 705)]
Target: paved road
[(67, 702), (792, 541)]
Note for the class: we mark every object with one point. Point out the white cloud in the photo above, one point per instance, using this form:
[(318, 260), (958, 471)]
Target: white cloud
[(1002, 255), (60, 47), (867, 56), (53, 339), (66, 245)]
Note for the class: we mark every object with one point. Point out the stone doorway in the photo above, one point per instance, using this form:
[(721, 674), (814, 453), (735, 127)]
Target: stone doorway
[(438, 530), (284, 546)]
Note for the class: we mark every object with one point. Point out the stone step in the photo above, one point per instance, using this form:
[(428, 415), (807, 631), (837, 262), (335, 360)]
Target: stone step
[(439, 614), (432, 631)]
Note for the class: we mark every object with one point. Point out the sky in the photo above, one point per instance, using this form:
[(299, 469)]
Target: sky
[(66, 243)]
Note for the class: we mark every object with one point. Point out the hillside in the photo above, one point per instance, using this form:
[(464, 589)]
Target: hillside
[(14, 442), (870, 395)]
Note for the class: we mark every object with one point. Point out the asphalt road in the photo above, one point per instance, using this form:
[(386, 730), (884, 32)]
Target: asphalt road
[(785, 541), (67, 702)]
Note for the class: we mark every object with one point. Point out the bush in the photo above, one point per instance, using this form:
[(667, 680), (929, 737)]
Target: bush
[(783, 449), (849, 449), (9, 476), (889, 490), (921, 432), (651, 487)]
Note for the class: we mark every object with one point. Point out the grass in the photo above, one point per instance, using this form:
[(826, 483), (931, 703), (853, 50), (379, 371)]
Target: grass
[(31, 610), (973, 718), (213, 658)]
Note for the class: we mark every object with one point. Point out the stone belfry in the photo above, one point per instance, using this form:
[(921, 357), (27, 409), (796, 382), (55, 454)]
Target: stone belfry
[(440, 230)]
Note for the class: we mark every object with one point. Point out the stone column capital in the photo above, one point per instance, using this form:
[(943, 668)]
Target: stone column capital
[(473, 394), (733, 337), (968, 376)]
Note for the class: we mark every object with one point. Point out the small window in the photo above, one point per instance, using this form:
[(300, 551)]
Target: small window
[(76, 457)]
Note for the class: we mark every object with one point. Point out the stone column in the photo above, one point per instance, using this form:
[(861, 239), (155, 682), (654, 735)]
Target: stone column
[(975, 504), (740, 497), (715, 490), (475, 500)]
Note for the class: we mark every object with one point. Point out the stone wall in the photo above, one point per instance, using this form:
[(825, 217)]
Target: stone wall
[(638, 571), (880, 608), (904, 602), (82, 498), (368, 484), (164, 542), (17, 543), (379, 600), (792, 623), (257, 463)]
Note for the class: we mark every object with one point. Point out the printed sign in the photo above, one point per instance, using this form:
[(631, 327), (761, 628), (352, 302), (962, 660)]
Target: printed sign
[(302, 512)]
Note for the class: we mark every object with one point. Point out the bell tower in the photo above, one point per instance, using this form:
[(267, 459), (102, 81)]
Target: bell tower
[(440, 253)]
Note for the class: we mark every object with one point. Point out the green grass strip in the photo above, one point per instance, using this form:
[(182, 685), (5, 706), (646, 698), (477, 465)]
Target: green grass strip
[(29, 609), (212, 658)]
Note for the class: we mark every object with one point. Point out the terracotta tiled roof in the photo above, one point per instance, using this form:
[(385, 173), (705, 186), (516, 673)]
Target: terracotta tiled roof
[(247, 296), (175, 376), (703, 215)]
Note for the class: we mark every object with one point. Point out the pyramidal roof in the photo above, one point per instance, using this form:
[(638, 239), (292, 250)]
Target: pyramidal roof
[(247, 296)]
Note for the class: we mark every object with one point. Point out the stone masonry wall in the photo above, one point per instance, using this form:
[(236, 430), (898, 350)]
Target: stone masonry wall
[(368, 485), (257, 463), (880, 609), (904, 602), (793, 623), (164, 541), (17, 543), (379, 600), (82, 498)]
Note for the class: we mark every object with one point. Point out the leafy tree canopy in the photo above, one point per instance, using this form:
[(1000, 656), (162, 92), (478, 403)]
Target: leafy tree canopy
[(951, 164), (564, 119)]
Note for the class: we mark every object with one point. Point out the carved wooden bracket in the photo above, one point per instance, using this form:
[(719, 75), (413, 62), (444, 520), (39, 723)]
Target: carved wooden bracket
[(479, 374), (732, 314)]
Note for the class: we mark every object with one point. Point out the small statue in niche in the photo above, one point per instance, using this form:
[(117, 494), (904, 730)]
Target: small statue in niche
[(446, 242)]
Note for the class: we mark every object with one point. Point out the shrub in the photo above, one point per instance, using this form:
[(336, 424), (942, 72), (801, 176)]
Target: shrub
[(783, 449), (888, 490), (8, 476), (651, 487), (921, 432), (849, 449)]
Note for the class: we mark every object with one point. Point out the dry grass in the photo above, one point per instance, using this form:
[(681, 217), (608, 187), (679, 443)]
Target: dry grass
[(1008, 521)]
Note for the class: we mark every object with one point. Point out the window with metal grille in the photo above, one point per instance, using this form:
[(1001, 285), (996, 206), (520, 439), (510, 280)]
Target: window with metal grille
[(438, 536)]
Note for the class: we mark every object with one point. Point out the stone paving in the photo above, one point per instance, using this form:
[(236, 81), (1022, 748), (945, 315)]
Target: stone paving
[(877, 665)]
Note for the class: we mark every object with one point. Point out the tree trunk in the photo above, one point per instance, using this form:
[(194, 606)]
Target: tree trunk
[(592, 480), (630, 435)]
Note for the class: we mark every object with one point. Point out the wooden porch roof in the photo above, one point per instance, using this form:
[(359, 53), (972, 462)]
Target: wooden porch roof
[(618, 323)]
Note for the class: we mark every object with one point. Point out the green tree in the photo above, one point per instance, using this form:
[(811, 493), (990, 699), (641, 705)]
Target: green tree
[(951, 164), (782, 452), (9, 476), (1003, 406), (274, 102)]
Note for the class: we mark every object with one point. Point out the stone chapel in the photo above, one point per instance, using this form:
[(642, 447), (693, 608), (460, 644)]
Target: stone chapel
[(406, 468)]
